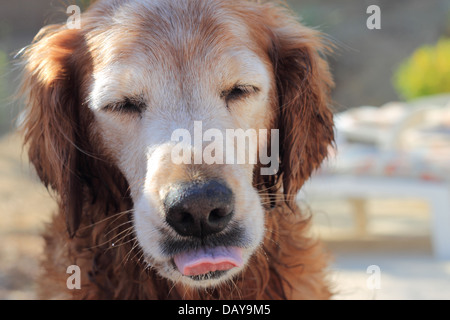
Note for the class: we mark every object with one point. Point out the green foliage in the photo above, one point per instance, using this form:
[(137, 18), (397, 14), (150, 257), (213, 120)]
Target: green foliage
[(426, 72)]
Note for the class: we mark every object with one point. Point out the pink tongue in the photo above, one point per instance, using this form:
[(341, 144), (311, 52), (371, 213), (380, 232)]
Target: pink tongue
[(204, 260)]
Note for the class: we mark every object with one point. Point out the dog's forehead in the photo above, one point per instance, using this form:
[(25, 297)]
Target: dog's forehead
[(168, 28), (173, 45)]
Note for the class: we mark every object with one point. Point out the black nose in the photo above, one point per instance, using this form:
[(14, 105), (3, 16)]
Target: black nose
[(199, 209)]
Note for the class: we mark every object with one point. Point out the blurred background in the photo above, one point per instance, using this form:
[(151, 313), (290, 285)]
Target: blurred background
[(383, 197)]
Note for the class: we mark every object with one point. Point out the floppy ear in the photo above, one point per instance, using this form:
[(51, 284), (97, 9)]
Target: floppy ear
[(52, 126), (303, 84)]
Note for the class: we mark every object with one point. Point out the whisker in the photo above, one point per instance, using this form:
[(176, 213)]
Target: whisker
[(173, 285), (118, 226), (119, 214), (127, 256), (112, 239), (127, 231), (138, 251), (114, 246), (234, 288)]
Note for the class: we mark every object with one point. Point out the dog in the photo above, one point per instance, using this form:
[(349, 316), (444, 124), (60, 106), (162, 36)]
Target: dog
[(102, 104)]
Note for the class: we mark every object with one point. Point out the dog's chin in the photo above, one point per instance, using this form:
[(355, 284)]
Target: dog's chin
[(210, 280)]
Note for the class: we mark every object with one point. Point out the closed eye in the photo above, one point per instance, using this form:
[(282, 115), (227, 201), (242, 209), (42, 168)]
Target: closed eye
[(238, 92), (127, 106)]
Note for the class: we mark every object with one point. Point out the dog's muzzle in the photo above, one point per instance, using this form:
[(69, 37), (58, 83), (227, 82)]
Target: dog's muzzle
[(201, 210)]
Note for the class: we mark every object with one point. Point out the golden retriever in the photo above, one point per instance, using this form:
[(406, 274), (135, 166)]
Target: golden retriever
[(103, 105)]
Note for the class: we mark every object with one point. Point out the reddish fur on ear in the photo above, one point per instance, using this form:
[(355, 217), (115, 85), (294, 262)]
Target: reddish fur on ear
[(303, 85), (52, 125)]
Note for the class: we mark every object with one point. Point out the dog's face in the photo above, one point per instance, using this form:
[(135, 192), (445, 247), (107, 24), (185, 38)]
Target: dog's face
[(180, 70), (205, 67)]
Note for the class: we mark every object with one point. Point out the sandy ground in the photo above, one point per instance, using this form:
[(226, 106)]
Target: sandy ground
[(410, 276), (25, 205), (396, 241), (392, 259)]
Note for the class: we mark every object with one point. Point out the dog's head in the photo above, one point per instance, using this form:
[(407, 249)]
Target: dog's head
[(163, 91)]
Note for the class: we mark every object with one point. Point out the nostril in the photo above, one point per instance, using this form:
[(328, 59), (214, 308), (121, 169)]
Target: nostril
[(217, 220), (218, 215), (186, 218), (178, 216)]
